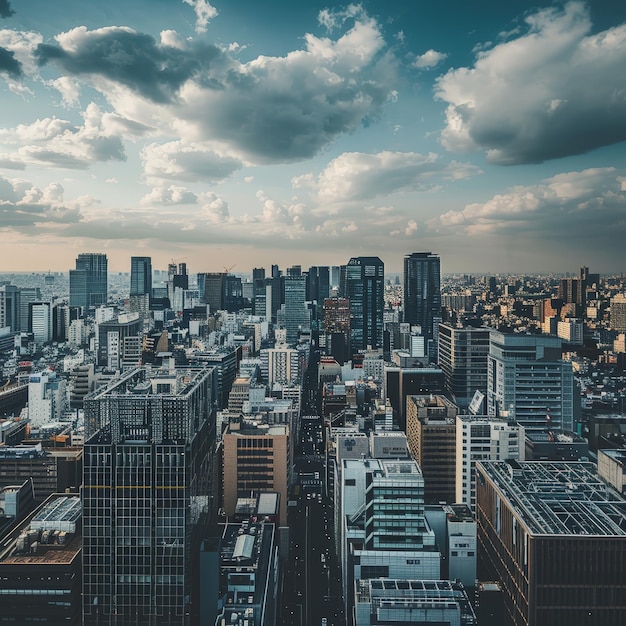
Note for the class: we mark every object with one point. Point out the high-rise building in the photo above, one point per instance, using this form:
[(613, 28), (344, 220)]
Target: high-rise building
[(431, 435), (46, 398), (618, 313), (147, 496), (422, 294), (27, 295), (10, 308), (140, 275), (554, 535), (337, 328), (41, 321), (463, 359), (88, 282), (481, 438), (297, 316), (364, 287), (256, 459), (527, 379), (384, 530), (221, 291)]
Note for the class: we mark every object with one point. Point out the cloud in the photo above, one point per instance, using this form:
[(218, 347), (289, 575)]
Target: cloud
[(553, 91), (60, 143), (167, 196), (24, 207), (267, 110), (5, 9), (204, 13), (357, 175), (126, 57), (585, 208), (178, 161), (16, 52), (431, 58)]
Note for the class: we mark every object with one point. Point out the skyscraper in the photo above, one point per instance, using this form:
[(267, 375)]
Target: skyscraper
[(146, 496), (140, 275), (422, 295), (88, 282), (527, 379), (365, 288), (463, 359), (297, 316)]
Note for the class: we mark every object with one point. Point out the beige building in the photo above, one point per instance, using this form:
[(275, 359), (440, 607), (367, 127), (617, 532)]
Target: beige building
[(256, 458), (431, 436)]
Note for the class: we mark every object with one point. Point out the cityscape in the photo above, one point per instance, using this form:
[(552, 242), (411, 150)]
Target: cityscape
[(321, 445), (312, 314)]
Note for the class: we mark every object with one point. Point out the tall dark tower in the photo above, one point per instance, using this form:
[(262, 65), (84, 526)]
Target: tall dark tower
[(88, 282), (365, 288), (422, 294), (140, 275), (148, 496)]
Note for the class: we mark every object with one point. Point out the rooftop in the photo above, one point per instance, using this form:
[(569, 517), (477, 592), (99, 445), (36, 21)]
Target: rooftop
[(47, 536), (559, 498)]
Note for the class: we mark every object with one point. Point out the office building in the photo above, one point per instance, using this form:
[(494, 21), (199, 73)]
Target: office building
[(10, 308), (364, 288), (40, 566), (52, 470), (463, 360), (140, 275), (401, 602), (88, 281), (527, 379), (41, 321), (119, 340), (221, 291), (481, 438), (383, 529), (554, 535), (256, 459), (618, 313), (431, 437), (297, 316), (46, 398), (26, 296), (422, 295), (337, 328), (149, 491), (404, 381)]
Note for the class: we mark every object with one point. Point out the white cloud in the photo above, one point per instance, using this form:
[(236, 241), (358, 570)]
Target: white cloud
[(553, 91), (587, 206), (431, 58), (56, 142), (204, 13), (167, 196), (178, 161), (357, 175), (26, 208)]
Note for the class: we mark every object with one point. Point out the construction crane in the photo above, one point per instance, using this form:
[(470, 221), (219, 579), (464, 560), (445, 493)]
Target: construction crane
[(227, 269)]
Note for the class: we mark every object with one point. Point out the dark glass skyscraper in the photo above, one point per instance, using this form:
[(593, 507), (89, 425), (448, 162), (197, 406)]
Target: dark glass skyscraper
[(147, 496), (140, 275), (422, 292), (88, 282), (365, 287)]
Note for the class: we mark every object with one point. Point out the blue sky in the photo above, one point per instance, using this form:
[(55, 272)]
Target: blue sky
[(247, 133)]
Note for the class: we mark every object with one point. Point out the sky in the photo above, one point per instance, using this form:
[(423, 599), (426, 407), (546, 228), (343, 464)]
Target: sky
[(237, 133)]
